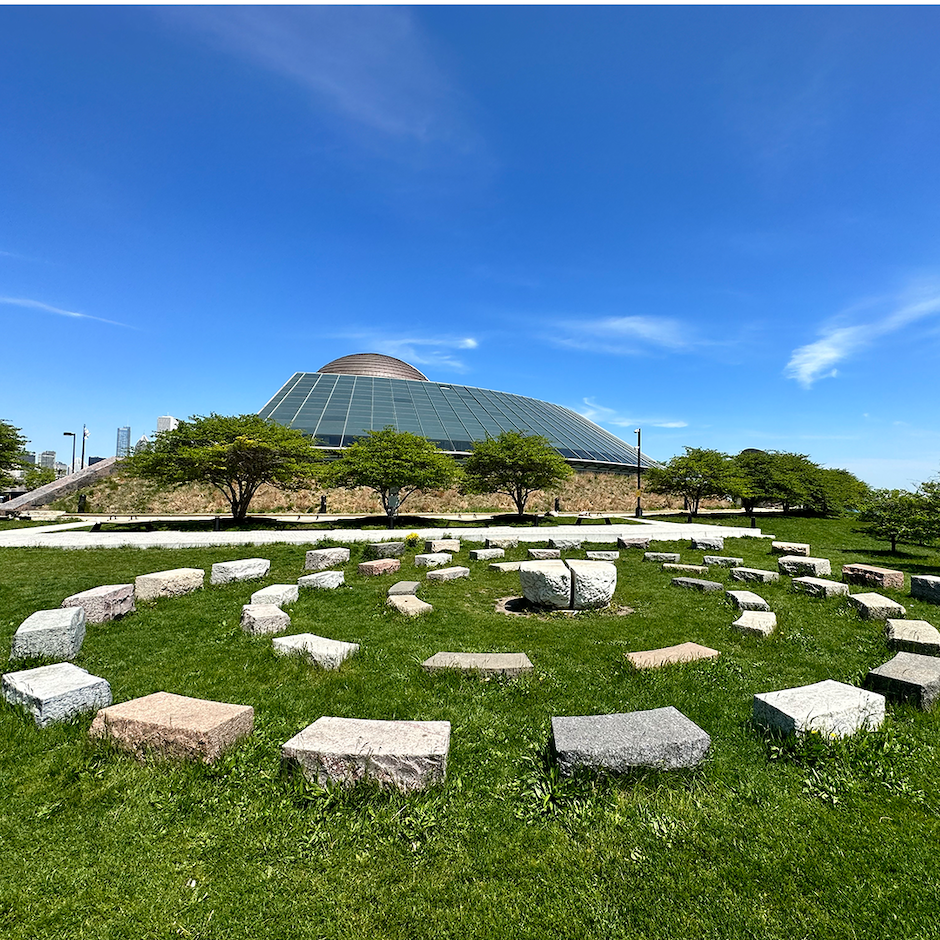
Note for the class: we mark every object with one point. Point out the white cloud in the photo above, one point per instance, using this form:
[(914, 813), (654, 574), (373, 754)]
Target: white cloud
[(419, 351), (601, 414), (631, 335), (36, 305)]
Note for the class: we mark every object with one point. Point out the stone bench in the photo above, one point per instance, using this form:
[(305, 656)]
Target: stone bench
[(722, 561), (789, 548), (568, 585), (707, 543), (324, 580), (372, 569), (448, 574), (330, 654), (404, 587), (375, 550), (873, 575), (565, 545), (319, 558), (502, 543), (819, 587), (688, 569), (662, 738), (172, 583), (56, 693), (264, 618), (747, 600), (873, 606), (602, 556), (698, 584), (756, 623), (505, 566), (433, 560), (277, 594), (174, 726), (409, 755), (104, 603), (435, 546), (52, 634), (830, 708), (926, 587), (245, 569), (632, 542), (408, 604), (509, 665), (754, 574), (662, 557), (544, 554), (671, 655), (797, 566), (913, 636), (486, 554), (908, 677)]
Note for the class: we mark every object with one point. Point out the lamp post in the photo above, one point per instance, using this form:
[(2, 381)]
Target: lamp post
[(639, 483), (81, 466), (71, 434)]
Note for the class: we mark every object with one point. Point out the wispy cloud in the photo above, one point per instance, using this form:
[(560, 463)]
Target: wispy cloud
[(432, 351), (628, 335), (838, 342), (46, 308), (601, 414)]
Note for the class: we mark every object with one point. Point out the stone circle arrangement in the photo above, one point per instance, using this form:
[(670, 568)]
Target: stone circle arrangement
[(411, 755)]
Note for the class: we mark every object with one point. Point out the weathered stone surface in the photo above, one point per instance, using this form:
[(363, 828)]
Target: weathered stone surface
[(722, 561), (913, 636), (820, 587), (277, 594), (325, 580), (873, 606), (172, 583), (486, 554), (383, 550), (330, 654), (593, 583), (433, 560), (442, 545), (831, 708), (502, 543), (408, 755), (873, 575), (660, 737), (926, 587), (671, 557), (547, 583), (697, 584), (486, 664), (245, 569), (319, 558), (668, 655), (174, 725), (688, 569), (754, 574), (633, 542), (602, 556), (789, 548), (564, 544), (708, 543), (371, 569), (908, 677), (104, 603), (756, 622), (544, 554), (56, 634), (449, 574), (56, 693), (747, 600), (264, 618), (798, 566), (409, 604), (505, 566), (404, 587)]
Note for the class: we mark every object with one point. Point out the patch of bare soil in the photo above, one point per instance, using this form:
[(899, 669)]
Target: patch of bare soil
[(520, 607)]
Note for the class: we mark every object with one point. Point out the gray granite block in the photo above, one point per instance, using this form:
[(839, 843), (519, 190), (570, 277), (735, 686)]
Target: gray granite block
[(662, 738), (698, 584), (913, 636), (505, 566), (722, 561), (409, 605), (245, 569), (435, 546), (319, 558), (322, 580), (789, 548), (409, 755), (756, 623), (502, 543), (926, 587), (908, 677), (432, 559), (104, 603), (708, 543), (820, 587), (547, 583), (264, 618), (592, 583), (565, 544), (670, 655), (798, 566), (486, 664), (671, 557), (448, 574), (330, 654), (873, 575), (277, 594), (830, 708), (56, 634), (754, 574), (172, 583), (602, 556), (384, 550), (688, 569), (56, 693), (633, 542), (873, 606), (486, 554), (544, 554), (747, 600), (404, 587)]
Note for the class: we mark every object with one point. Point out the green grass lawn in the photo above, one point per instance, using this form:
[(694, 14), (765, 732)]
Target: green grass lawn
[(768, 839)]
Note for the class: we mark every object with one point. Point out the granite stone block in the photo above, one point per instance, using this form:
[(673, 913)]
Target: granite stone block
[(409, 604), (323, 580), (830, 708), (104, 603), (404, 587), (172, 583), (708, 543), (820, 587), (52, 634), (873, 606), (633, 542), (789, 548), (723, 561), (756, 623), (505, 566), (688, 569), (502, 542), (671, 557), (758, 575), (509, 665), (547, 583), (383, 550), (873, 575), (908, 677), (486, 554), (245, 569), (747, 600), (264, 618), (319, 558), (913, 636), (544, 554), (433, 560), (602, 556), (669, 655), (330, 654), (434, 546), (926, 587), (565, 544), (798, 566), (56, 693), (698, 584), (592, 583), (448, 574), (371, 569), (277, 594)]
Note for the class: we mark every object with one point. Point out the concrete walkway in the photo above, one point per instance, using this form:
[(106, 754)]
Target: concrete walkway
[(69, 535)]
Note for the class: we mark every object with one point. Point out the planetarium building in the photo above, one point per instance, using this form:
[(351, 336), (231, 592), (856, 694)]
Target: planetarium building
[(350, 396)]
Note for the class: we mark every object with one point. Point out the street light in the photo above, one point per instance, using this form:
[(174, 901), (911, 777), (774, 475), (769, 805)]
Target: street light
[(639, 483), (84, 438), (71, 434)]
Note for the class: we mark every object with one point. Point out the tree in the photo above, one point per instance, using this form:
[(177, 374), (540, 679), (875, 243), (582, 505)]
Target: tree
[(900, 516), (395, 464), (516, 464), (233, 454), (34, 477), (11, 450), (694, 475), (833, 491)]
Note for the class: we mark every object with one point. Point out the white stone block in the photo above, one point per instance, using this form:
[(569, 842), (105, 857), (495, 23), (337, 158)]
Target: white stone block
[(670, 557), (722, 561), (264, 618), (409, 604), (104, 603), (747, 600), (432, 560), (790, 548), (486, 664), (322, 580), (277, 594), (505, 566), (486, 554), (319, 558), (754, 574), (172, 583), (544, 554), (547, 583), (820, 587), (56, 693), (56, 634), (244, 569), (593, 583), (565, 545), (756, 622), (449, 574), (708, 543), (798, 566), (871, 606), (913, 636), (830, 708), (502, 543), (602, 556), (435, 546), (330, 654)]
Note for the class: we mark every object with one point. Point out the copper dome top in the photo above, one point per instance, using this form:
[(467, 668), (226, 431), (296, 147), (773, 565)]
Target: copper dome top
[(374, 364)]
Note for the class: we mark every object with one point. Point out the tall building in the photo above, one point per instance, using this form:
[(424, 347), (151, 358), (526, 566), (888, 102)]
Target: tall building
[(123, 442), (47, 460), (143, 442), (30, 457), (167, 423)]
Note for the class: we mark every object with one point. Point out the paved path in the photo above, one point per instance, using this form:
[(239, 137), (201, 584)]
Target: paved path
[(69, 535)]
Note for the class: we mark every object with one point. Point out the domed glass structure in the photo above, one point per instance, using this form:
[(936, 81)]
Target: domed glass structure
[(365, 392)]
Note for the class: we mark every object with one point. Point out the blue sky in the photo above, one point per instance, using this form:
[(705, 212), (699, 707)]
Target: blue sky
[(721, 224)]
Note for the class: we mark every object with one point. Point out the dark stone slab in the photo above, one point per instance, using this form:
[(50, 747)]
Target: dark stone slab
[(909, 677)]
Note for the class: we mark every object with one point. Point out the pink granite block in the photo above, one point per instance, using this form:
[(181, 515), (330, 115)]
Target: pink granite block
[(104, 603), (668, 655), (873, 575), (379, 566)]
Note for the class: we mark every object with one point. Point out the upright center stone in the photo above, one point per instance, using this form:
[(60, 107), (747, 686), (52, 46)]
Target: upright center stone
[(568, 585)]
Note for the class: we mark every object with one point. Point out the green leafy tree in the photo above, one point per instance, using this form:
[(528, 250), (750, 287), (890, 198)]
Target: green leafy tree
[(833, 491), (516, 464), (34, 477), (901, 516), (395, 464), (755, 478), (695, 475), (236, 455), (11, 450)]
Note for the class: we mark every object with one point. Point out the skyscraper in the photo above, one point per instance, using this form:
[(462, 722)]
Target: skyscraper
[(123, 442), (47, 459), (167, 423)]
